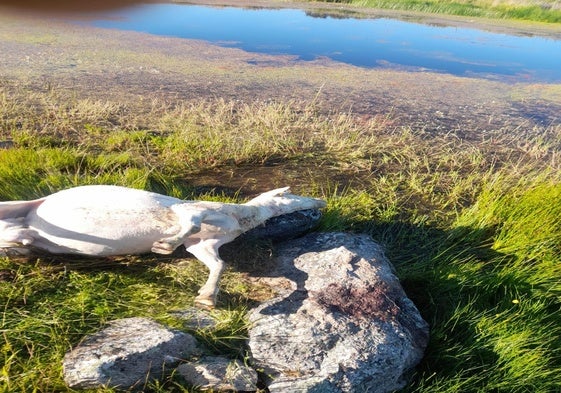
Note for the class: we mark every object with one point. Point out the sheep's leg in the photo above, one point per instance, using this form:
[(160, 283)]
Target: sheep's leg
[(18, 209), (207, 253), (190, 223)]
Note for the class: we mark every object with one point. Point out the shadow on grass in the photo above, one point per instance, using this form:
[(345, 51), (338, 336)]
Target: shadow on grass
[(454, 277), (470, 295), (465, 289)]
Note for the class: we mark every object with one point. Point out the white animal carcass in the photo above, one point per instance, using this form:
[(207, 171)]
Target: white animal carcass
[(110, 220)]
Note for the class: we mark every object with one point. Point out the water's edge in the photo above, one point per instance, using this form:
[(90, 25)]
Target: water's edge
[(370, 43)]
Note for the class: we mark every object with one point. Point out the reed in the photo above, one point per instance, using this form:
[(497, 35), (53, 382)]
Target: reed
[(548, 11)]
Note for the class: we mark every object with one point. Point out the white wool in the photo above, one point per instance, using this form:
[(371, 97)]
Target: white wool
[(110, 220)]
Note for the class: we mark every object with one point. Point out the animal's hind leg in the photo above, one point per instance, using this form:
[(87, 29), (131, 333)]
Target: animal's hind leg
[(190, 222), (15, 236)]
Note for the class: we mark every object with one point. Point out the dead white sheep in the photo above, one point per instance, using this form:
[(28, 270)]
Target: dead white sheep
[(106, 220)]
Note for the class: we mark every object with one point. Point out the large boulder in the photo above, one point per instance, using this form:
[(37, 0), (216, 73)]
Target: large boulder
[(341, 321), (126, 354)]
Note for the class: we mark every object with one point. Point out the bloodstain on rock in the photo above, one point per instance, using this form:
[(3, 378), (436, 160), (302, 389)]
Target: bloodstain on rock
[(377, 301)]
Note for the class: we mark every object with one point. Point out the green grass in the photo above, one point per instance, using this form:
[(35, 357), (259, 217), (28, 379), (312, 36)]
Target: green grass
[(474, 234), (539, 11), (496, 293)]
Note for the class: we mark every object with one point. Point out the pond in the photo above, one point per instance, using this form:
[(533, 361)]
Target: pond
[(360, 42)]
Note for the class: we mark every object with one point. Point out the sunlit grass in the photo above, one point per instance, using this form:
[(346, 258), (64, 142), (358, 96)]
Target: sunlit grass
[(494, 295), (474, 234), (543, 11)]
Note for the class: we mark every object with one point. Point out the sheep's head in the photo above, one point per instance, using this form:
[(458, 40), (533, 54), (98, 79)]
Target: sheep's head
[(281, 201)]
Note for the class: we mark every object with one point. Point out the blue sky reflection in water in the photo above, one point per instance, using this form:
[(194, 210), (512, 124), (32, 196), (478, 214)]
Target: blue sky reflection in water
[(361, 42)]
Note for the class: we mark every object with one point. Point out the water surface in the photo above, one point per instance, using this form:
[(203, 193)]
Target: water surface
[(360, 42)]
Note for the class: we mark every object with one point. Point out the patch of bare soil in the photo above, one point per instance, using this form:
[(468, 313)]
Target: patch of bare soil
[(136, 68)]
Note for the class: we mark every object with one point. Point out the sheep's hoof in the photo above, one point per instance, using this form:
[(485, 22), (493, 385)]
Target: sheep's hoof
[(162, 247), (204, 303), (14, 252)]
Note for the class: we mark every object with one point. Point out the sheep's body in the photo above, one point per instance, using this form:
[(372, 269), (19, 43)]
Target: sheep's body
[(111, 220)]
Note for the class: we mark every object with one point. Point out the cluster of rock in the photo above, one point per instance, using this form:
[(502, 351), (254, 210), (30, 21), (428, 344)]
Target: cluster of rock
[(340, 322), (130, 352)]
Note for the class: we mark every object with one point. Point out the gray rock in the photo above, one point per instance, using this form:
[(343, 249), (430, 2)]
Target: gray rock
[(126, 354), (196, 318), (342, 323), (218, 374)]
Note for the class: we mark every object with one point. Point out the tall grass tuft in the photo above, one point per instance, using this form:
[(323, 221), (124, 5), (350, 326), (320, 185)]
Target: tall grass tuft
[(28, 174), (492, 293), (545, 11)]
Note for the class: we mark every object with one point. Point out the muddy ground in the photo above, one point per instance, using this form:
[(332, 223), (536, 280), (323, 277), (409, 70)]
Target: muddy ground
[(40, 53)]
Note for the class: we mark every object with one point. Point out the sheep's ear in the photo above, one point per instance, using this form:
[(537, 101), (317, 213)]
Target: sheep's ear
[(278, 191), (267, 196)]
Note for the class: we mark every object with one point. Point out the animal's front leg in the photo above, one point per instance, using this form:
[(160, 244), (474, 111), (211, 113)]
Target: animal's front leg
[(207, 253)]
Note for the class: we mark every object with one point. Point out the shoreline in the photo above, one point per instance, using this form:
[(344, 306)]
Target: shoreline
[(514, 27), (135, 68)]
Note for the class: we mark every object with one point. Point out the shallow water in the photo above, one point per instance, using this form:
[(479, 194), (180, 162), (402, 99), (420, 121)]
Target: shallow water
[(360, 42)]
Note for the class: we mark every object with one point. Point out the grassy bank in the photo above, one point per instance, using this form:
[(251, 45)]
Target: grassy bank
[(538, 11), (473, 231)]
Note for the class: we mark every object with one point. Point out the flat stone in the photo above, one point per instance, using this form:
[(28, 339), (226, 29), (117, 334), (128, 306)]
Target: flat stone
[(126, 354), (196, 318), (218, 374), (343, 324)]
